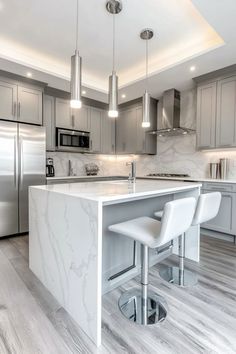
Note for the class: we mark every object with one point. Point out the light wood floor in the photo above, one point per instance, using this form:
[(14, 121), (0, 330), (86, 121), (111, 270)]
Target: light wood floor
[(201, 319)]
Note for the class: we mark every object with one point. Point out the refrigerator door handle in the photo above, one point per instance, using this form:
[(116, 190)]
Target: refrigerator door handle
[(15, 162), (21, 163)]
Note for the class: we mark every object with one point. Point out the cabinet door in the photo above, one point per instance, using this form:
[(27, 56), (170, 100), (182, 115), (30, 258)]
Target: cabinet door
[(141, 132), (126, 133), (49, 121), (30, 105), (8, 101), (63, 114), (95, 130), (224, 221), (226, 113), (120, 123), (206, 116), (81, 118), (108, 134)]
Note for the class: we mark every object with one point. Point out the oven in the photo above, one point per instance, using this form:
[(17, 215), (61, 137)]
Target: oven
[(72, 140)]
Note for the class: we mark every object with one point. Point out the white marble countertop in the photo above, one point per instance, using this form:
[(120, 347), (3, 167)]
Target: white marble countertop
[(107, 191)]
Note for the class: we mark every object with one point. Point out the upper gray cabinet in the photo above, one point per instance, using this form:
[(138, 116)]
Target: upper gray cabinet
[(131, 137), (81, 118), (30, 105), (20, 103), (49, 121), (216, 114), (95, 129), (8, 100), (206, 115), (108, 134), (226, 113), (64, 117)]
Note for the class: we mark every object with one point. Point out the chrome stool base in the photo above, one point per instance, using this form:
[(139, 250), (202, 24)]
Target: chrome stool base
[(143, 310), (175, 275)]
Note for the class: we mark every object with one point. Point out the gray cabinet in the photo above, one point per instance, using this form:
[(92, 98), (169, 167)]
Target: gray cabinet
[(131, 137), (64, 118), (49, 121), (20, 103), (225, 220), (226, 113), (206, 115), (126, 131), (216, 114), (30, 105), (108, 134), (8, 101), (81, 118), (95, 129)]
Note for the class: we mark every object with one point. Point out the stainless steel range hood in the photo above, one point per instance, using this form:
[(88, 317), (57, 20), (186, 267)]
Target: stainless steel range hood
[(169, 122)]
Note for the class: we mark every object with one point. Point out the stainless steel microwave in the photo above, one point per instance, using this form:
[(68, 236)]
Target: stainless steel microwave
[(72, 140)]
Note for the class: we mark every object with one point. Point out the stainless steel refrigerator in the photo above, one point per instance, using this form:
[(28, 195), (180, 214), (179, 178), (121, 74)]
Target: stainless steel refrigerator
[(22, 164)]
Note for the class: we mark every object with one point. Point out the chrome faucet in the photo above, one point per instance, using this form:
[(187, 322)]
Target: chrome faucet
[(70, 170), (132, 175)]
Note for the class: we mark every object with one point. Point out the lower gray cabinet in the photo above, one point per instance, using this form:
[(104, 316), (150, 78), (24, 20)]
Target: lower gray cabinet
[(49, 121), (225, 221)]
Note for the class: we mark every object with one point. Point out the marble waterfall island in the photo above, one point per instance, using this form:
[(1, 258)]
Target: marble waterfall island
[(72, 251)]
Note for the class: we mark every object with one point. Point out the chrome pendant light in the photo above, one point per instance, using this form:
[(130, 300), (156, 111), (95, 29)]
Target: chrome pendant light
[(76, 66), (146, 35), (114, 7)]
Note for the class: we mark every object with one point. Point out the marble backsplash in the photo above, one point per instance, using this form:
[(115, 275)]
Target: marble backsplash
[(174, 154)]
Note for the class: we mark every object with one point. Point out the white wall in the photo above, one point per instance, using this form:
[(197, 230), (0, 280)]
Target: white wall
[(174, 154)]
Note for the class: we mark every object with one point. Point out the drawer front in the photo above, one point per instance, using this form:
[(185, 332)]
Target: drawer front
[(220, 187)]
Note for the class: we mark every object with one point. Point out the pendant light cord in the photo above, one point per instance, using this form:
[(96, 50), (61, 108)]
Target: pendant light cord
[(77, 26), (114, 44), (147, 64)]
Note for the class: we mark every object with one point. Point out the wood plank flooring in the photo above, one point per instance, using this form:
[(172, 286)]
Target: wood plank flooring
[(201, 319)]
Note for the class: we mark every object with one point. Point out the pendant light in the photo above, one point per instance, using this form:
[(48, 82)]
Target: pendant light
[(146, 35), (76, 65), (114, 7)]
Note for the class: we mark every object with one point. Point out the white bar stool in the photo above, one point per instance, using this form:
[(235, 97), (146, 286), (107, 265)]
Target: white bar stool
[(143, 306), (207, 208)]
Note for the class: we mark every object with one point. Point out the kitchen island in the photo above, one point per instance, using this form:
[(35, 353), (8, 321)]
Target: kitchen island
[(72, 251)]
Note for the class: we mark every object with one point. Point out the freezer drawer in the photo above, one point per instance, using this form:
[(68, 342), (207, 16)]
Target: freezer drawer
[(8, 179), (32, 150)]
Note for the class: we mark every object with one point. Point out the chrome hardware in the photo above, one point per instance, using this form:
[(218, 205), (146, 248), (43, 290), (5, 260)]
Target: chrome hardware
[(132, 175)]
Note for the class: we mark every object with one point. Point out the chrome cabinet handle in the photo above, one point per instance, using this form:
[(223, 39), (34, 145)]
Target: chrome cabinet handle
[(19, 109), (14, 109), (91, 144)]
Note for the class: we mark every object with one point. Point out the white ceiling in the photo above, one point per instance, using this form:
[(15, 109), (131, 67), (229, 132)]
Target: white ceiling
[(40, 35)]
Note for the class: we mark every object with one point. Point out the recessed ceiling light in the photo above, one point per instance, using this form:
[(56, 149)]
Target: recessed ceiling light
[(83, 92), (123, 95), (29, 74), (192, 68)]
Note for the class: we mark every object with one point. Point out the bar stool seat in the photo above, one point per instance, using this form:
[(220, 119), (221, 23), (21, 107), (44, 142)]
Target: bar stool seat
[(207, 208), (141, 305)]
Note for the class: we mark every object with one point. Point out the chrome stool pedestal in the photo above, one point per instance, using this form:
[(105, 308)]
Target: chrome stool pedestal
[(143, 306)]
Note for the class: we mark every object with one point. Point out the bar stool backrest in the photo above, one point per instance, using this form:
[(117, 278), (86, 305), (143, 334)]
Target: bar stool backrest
[(207, 207), (177, 218)]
